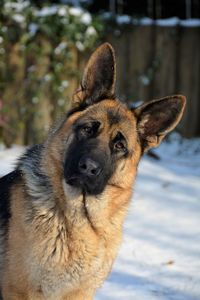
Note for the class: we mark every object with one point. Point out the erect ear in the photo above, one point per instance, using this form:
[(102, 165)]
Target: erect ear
[(157, 118), (98, 80)]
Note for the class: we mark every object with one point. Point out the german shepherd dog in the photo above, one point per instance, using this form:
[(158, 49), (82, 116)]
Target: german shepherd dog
[(63, 207)]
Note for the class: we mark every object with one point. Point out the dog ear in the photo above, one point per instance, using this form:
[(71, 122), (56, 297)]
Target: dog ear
[(98, 80), (157, 118)]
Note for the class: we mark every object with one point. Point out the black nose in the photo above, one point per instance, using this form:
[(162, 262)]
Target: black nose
[(89, 167)]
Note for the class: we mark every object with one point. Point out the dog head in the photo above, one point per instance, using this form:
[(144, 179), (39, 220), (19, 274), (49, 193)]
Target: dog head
[(101, 141)]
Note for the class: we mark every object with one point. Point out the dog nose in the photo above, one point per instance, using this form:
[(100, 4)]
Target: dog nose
[(89, 167)]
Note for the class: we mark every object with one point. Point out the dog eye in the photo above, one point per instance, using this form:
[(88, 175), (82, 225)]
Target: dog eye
[(119, 146), (87, 130)]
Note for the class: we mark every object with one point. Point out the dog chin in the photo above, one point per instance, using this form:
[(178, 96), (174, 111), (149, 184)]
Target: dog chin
[(71, 192), (78, 185)]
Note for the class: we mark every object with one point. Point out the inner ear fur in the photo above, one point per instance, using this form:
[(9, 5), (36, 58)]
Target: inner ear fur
[(157, 118), (98, 80)]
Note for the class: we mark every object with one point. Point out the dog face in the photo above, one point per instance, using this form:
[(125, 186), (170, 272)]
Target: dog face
[(101, 140)]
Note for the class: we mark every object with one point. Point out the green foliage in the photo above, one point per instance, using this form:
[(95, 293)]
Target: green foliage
[(47, 42)]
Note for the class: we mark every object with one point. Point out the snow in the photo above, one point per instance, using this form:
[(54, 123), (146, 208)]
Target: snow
[(86, 18), (123, 19), (80, 46), (75, 11), (47, 11), (91, 31), (65, 83), (18, 18), (8, 158), (18, 6), (62, 11), (160, 253), (169, 22), (176, 21), (144, 80), (33, 27), (144, 21), (62, 46), (65, 11), (190, 23), (159, 257)]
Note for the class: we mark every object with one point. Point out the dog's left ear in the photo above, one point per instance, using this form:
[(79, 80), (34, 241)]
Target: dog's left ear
[(98, 80), (157, 118)]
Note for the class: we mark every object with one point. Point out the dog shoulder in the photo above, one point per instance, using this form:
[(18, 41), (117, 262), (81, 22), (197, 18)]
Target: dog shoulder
[(6, 184)]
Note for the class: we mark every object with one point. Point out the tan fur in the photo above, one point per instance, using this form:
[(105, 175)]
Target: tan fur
[(68, 249), (86, 238)]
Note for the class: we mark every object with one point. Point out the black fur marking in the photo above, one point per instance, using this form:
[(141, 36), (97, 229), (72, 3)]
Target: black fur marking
[(82, 106), (30, 164), (37, 188), (85, 103), (31, 160), (6, 183), (32, 152), (114, 117), (91, 149)]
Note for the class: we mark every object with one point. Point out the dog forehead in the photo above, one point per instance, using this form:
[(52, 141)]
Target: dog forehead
[(112, 112)]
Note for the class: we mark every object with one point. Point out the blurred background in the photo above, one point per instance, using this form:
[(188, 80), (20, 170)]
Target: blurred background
[(44, 46)]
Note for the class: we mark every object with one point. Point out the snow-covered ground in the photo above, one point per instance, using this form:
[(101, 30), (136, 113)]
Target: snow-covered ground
[(160, 254)]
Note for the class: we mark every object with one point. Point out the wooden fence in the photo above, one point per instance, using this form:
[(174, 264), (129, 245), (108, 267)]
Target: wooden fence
[(152, 62), (155, 61)]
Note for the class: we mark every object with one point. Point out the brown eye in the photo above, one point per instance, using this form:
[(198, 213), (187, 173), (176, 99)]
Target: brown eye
[(87, 130), (119, 146)]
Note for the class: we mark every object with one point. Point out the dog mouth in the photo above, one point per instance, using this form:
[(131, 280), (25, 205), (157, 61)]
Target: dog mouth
[(88, 187), (74, 181)]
